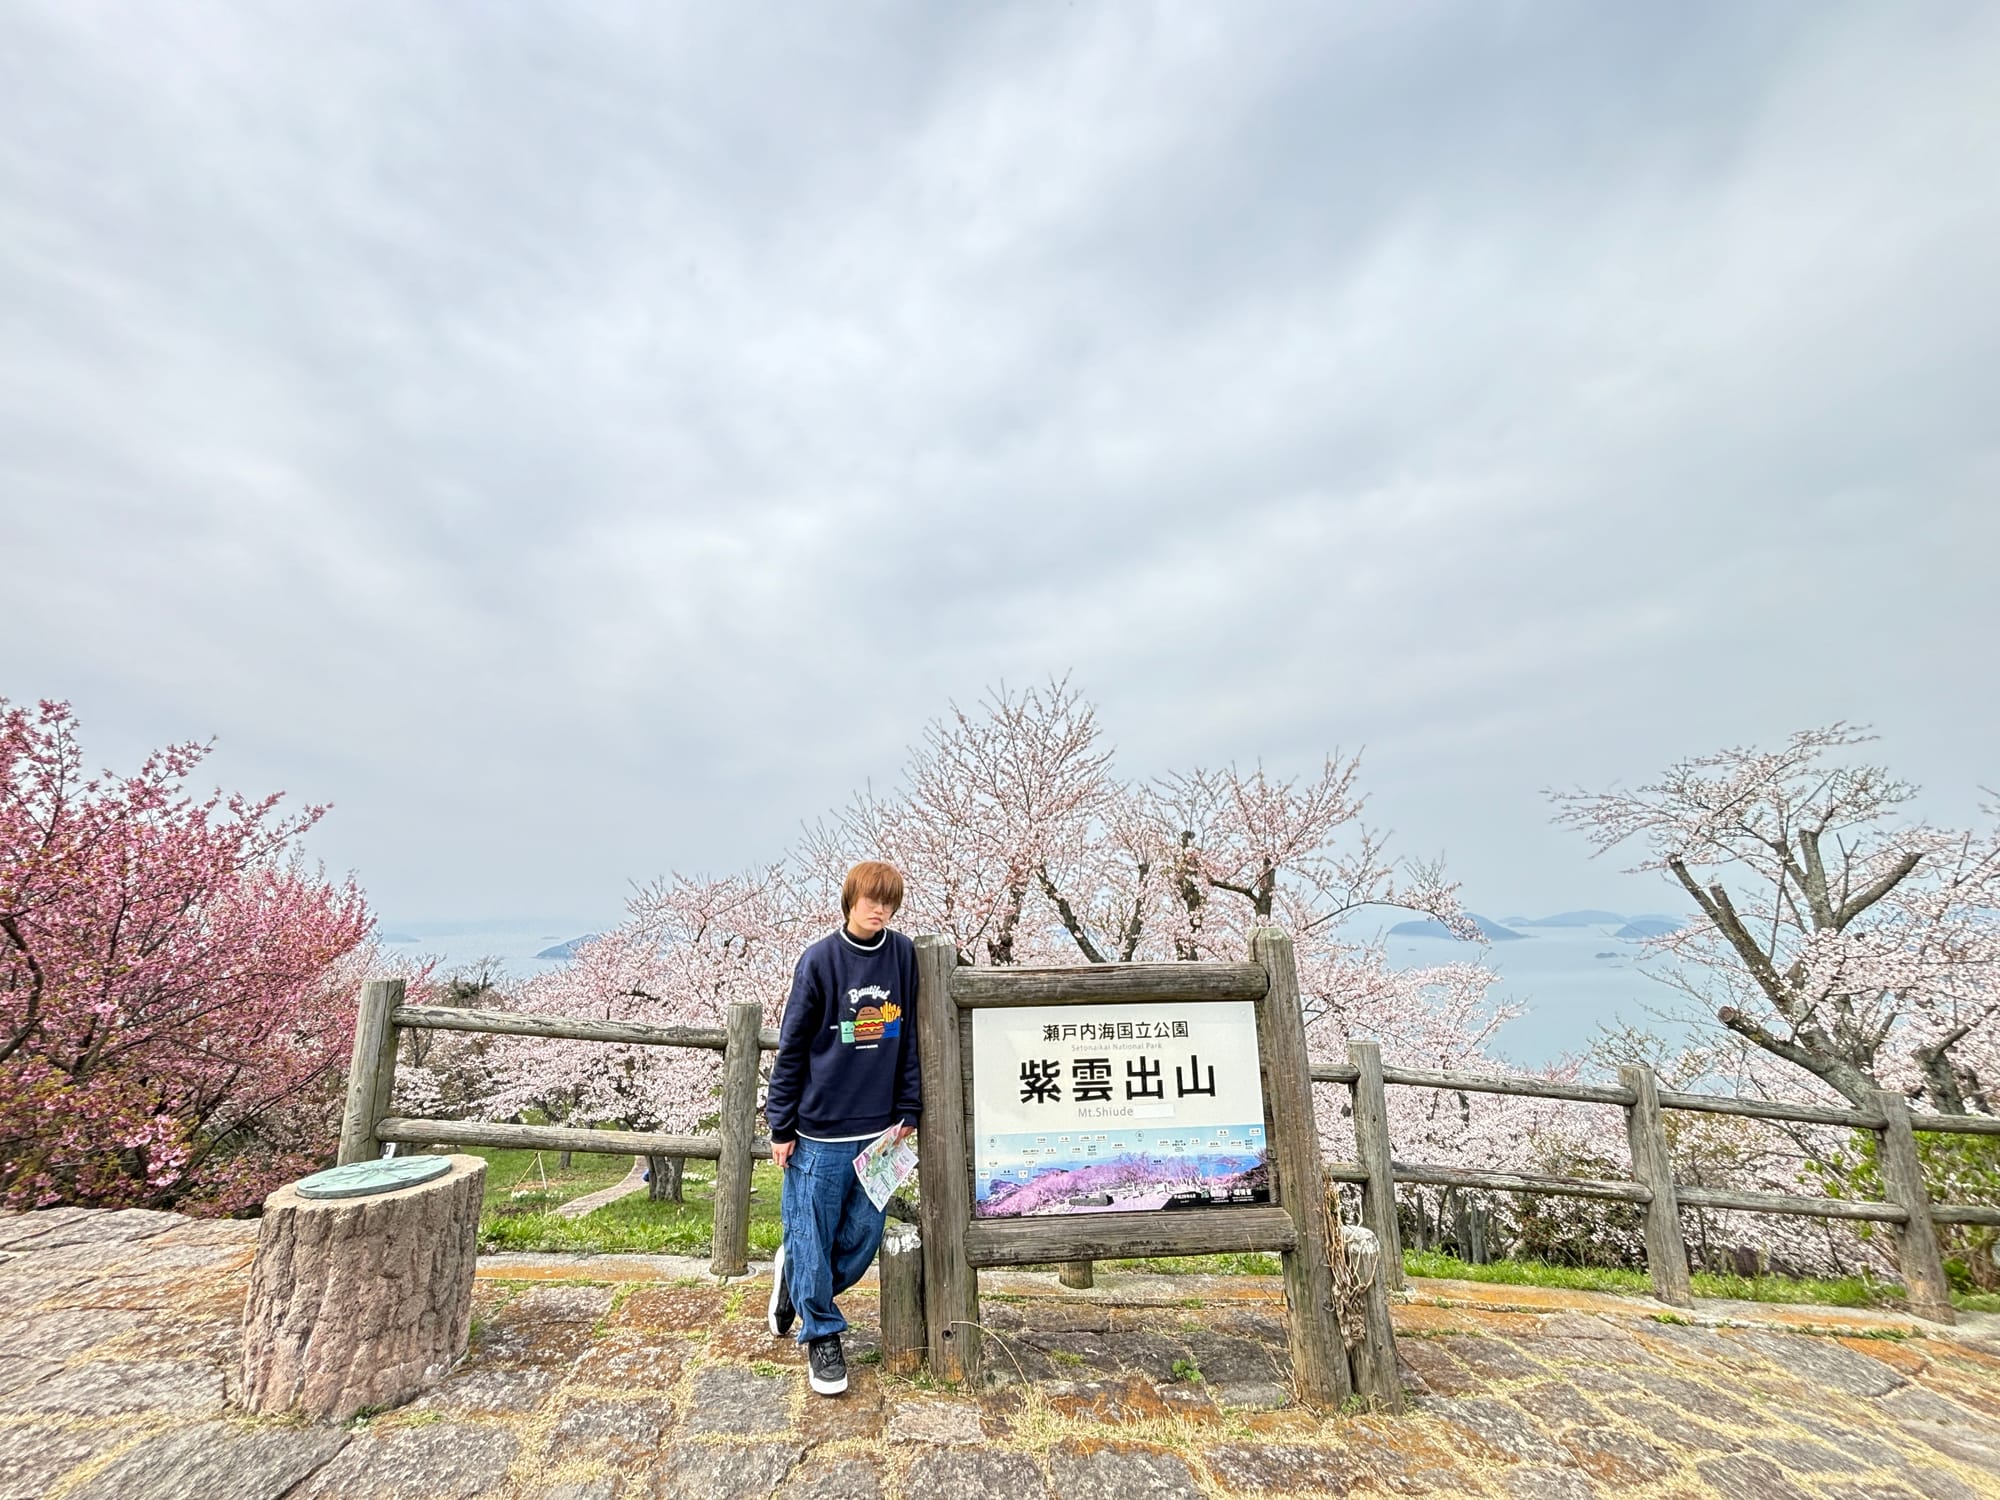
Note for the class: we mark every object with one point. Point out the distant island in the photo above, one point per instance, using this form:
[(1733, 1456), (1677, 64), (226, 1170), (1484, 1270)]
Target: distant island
[(568, 949), (1649, 927), (395, 937), (1628, 929), (1492, 931)]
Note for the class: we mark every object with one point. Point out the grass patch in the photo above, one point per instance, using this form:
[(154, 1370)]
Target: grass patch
[(634, 1224), (1527, 1273), (1239, 1263), (1844, 1291), (516, 1184)]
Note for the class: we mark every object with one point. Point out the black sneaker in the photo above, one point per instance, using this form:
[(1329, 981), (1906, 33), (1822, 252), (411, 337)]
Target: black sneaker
[(826, 1366), (781, 1312)]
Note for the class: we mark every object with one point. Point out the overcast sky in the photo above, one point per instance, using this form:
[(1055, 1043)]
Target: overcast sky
[(582, 441)]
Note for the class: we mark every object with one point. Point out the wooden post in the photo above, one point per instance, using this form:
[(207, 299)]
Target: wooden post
[(371, 1072), (1921, 1261), (951, 1286), (1372, 1360), (1080, 1275), (1319, 1359), (902, 1266), (739, 1128), (1371, 1148), (1653, 1170)]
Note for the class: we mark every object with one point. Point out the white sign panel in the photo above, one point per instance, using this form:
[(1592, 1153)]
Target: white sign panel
[(1099, 1108)]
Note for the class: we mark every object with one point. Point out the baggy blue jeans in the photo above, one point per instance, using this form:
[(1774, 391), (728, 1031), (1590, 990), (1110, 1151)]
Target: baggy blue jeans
[(832, 1231)]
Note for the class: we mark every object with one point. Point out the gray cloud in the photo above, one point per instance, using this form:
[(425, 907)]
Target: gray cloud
[(581, 442)]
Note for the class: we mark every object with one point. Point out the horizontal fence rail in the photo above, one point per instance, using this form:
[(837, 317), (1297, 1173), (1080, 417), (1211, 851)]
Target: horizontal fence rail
[(570, 1028), (1760, 1109), (1478, 1083), (1423, 1175), (1059, 1237), (1791, 1203), (1907, 1207), (366, 1125), (1956, 1124), (422, 1132)]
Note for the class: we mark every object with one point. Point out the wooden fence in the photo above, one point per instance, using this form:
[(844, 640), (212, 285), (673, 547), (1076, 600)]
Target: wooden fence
[(366, 1126), (955, 1246), (1907, 1209)]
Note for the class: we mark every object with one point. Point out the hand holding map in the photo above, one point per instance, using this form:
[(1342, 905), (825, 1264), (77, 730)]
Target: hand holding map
[(885, 1164)]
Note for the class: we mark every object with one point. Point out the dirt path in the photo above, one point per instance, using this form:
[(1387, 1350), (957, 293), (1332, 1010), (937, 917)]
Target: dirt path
[(632, 1182)]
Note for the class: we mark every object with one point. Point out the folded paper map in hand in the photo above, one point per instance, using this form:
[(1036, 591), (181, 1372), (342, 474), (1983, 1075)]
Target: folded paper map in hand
[(885, 1165)]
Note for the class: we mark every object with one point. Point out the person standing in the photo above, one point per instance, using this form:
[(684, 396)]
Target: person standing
[(845, 1073)]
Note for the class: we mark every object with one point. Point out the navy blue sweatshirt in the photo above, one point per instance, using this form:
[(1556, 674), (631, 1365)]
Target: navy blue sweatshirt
[(847, 1048)]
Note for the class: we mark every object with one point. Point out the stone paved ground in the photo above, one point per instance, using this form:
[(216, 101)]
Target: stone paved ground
[(630, 1378)]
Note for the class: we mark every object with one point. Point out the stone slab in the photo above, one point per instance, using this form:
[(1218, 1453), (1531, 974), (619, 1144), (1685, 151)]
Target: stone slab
[(1546, 1484), (434, 1462), (18, 1231), (631, 1360), (488, 1392), (940, 1472), (615, 1431), (935, 1423), (34, 1455), (724, 1471), (842, 1479), (1102, 1471), (235, 1459), (675, 1309), (1674, 1428), (737, 1401), (1283, 1468), (181, 1389), (854, 1417), (1823, 1362), (1747, 1476), (1619, 1460), (1494, 1430)]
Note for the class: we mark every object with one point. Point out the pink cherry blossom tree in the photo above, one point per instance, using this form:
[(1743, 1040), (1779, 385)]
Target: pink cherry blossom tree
[(174, 1009), (1857, 945)]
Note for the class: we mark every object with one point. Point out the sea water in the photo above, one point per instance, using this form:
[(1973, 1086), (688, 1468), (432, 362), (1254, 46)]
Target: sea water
[(1569, 981)]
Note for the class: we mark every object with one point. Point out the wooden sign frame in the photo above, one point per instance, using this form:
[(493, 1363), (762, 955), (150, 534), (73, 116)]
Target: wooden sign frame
[(956, 1247)]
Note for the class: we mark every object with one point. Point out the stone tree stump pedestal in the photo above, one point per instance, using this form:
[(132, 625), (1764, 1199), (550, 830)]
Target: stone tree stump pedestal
[(360, 1302)]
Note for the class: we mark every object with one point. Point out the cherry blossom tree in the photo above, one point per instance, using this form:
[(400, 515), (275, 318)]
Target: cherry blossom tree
[(1021, 843), (995, 829), (1831, 932), (174, 1002), (688, 949)]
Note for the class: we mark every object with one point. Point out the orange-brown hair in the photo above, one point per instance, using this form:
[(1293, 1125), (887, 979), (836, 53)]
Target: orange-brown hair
[(875, 880)]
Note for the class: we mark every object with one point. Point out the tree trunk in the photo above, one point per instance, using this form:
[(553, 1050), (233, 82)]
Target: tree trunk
[(562, 1162), (665, 1185)]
